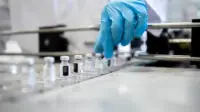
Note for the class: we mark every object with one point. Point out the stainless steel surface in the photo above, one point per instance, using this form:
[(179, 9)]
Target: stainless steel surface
[(96, 28), (133, 89)]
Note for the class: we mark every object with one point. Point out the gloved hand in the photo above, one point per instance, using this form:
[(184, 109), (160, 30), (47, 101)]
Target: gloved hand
[(121, 21)]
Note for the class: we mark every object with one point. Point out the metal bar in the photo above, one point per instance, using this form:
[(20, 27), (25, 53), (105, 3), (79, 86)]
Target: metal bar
[(180, 40), (145, 57), (96, 28), (42, 54), (173, 25), (169, 58), (24, 32)]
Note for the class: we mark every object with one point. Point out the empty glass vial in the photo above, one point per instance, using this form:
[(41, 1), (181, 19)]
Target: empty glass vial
[(15, 82), (114, 60), (31, 72), (64, 66), (49, 71), (89, 63), (28, 79), (106, 65), (78, 64), (99, 65), (14, 69), (106, 62)]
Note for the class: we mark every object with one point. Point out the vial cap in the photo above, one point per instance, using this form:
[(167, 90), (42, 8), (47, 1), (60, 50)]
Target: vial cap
[(62, 58), (89, 55), (49, 59), (115, 54), (98, 55), (30, 61), (78, 57)]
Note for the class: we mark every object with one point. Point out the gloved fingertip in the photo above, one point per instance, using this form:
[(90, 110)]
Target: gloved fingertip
[(137, 37), (139, 33), (108, 55), (98, 49), (108, 46), (124, 43)]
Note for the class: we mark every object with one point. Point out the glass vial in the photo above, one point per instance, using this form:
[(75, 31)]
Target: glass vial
[(14, 69), (89, 63), (78, 64), (31, 72), (49, 72), (64, 66), (99, 63), (114, 60)]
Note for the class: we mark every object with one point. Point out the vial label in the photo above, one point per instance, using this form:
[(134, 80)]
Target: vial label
[(109, 63), (65, 70), (76, 67)]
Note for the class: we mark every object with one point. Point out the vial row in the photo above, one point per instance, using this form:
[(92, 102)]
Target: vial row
[(89, 64), (79, 65), (71, 70)]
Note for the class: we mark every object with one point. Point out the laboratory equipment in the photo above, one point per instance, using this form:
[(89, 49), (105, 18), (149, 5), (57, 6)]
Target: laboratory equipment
[(140, 84), (78, 64), (13, 69), (20, 85), (114, 60), (78, 68), (49, 70), (27, 78), (89, 63), (106, 63), (65, 66), (109, 62), (124, 84), (28, 82), (99, 64), (31, 73)]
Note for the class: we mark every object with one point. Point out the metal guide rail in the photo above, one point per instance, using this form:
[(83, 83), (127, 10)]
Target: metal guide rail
[(178, 58), (96, 28)]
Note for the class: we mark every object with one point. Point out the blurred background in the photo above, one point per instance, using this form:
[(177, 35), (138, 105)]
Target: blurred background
[(33, 14)]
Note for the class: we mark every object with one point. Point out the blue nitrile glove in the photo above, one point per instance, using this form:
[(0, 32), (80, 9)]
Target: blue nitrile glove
[(121, 21)]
